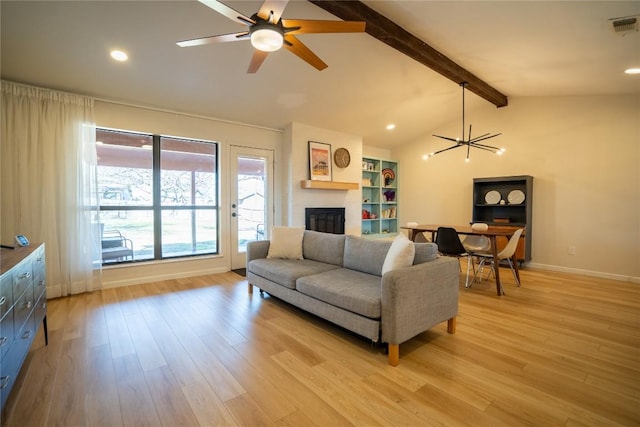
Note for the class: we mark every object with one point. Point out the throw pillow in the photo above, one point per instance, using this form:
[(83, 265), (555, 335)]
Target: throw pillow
[(286, 243), (400, 254)]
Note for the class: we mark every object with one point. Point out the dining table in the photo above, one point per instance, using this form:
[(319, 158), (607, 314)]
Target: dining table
[(492, 233)]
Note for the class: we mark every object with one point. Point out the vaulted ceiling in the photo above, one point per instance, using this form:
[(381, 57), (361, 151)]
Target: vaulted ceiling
[(519, 48)]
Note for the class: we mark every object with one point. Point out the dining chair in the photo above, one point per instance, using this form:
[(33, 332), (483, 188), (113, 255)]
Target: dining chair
[(449, 244), (475, 244), (421, 238), (505, 254)]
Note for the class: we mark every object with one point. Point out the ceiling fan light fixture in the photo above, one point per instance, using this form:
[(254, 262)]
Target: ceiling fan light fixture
[(267, 37)]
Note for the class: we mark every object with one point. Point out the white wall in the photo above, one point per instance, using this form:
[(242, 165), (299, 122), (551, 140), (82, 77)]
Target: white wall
[(295, 145), (124, 117), (377, 153), (584, 155)]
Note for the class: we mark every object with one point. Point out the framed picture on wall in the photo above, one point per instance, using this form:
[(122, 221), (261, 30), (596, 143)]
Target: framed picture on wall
[(319, 161)]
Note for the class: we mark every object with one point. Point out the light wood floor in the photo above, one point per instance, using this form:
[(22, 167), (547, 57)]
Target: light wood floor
[(563, 350)]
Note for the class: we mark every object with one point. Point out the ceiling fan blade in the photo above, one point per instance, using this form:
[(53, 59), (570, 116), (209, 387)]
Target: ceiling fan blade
[(256, 60), (214, 39), (225, 10), (308, 26), (275, 6), (292, 44)]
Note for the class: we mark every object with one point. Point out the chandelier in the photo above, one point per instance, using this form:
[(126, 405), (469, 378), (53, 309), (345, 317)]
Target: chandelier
[(468, 142)]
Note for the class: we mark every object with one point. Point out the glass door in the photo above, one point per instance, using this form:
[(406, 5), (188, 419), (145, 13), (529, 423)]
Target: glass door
[(251, 198)]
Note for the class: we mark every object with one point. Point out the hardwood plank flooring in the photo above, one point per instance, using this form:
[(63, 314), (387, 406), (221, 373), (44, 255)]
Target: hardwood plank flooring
[(562, 350)]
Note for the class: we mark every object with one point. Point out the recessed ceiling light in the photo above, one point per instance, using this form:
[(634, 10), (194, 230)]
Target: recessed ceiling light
[(632, 71), (119, 55), (391, 126)]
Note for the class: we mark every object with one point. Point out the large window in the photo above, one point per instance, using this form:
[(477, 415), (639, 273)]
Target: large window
[(158, 196)]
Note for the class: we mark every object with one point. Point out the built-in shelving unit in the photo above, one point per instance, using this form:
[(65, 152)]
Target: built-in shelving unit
[(506, 202), (379, 197)]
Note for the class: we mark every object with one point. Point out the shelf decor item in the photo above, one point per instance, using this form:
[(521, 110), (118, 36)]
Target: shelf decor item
[(389, 176), (492, 197), (342, 157), (319, 161), (515, 197)]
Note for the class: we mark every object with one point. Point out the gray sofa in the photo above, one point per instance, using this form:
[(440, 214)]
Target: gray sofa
[(340, 280)]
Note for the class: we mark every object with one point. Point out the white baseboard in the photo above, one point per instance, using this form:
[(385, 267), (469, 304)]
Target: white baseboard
[(591, 273), (164, 276)]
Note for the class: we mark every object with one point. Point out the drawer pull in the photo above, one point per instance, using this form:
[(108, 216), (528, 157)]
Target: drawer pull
[(40, 283), (4, 381), (24, 275), (3, 341), (26, 335), (3, 300), (28, 305)]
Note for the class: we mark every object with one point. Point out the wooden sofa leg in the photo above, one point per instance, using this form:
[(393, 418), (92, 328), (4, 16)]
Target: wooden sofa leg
[(394, 354), (451, 325), (250, 288)]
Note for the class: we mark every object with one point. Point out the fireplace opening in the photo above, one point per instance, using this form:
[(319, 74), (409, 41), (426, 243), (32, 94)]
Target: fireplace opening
[(325, 220)]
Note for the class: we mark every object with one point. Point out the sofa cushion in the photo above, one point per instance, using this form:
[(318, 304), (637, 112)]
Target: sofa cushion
[(285, 272), (286, 242), (425, 252), (365, 255), (348, 289), (323, 247), (400, 254)]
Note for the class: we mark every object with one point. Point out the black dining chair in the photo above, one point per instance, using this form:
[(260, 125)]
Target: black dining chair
[(449, 244)]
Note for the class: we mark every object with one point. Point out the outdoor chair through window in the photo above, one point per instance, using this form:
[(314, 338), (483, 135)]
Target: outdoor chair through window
[(115, 246)]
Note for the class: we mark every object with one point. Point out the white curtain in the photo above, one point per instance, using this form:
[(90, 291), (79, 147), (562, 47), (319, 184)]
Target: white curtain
[(48, 179)]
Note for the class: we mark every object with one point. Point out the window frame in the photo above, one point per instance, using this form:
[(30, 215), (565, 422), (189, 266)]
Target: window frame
[(157, 208)]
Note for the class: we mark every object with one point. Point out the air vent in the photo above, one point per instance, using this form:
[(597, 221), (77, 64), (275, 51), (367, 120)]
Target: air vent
[(624, 24)]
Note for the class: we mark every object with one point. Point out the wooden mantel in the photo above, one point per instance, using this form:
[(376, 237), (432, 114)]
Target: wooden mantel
[(307, 184)]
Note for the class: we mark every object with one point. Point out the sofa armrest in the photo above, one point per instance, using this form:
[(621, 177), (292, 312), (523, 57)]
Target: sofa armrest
[(417, 298), (257, 249)]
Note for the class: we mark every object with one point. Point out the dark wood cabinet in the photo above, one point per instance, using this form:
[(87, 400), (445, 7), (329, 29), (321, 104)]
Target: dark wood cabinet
[(506, 202)]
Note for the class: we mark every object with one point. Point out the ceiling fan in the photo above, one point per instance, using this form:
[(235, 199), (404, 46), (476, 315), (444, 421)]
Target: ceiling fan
[(268, 32)]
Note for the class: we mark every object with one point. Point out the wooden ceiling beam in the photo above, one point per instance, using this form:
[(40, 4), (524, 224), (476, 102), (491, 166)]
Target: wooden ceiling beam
[(397, 37)]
